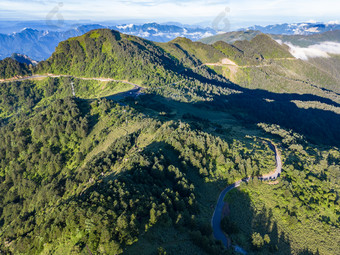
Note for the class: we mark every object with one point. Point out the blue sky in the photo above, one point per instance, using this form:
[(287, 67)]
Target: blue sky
[(239, 12)]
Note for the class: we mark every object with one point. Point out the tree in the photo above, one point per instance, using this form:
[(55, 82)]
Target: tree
[(153, 216), (266, 238), (161, 251), (257, 240)]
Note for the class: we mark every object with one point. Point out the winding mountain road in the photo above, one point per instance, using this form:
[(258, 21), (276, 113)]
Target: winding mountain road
[(65, 75), (132, 92), (217, 216), (228, 63)]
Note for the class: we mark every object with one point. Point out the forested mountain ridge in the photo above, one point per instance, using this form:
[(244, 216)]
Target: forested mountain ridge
[(82, 173), (296, 39), (39, 39), (108, 53), (180, 68), (10, 68), (92, 53)]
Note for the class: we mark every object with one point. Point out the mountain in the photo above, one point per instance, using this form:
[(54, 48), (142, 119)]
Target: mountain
[(10, 68), (308, 40), (261, 63), (24, 59), (40, 44), (108, 53), (122, 145), (265, 46), (15, 26), (231, 37), (17, 65), (37, 44), (261, 58), (165, 32), (298, 40), (249, 47), (191, 54), (297, 28)]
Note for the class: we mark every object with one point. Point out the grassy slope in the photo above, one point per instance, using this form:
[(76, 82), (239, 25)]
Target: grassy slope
[(195, 50), (231, 37), (259, 50), (330, 67)]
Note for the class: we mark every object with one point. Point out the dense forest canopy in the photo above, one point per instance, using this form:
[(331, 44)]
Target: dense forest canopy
[(10, 68)]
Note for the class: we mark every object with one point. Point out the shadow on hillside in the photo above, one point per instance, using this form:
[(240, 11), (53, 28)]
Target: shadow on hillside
[(256, 106), (248, 221), (319, 126), (251, 108)]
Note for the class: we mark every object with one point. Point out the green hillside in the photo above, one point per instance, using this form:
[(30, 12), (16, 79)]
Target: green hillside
[(89, 166), (194, 50), (107, 53), (262, 63), (234, 53), (253, 52), (10, 68), (231, 37), (265, 46)]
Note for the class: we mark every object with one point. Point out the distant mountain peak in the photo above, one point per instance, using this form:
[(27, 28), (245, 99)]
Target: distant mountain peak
[(40, 44), (24, 59), (304, 28)]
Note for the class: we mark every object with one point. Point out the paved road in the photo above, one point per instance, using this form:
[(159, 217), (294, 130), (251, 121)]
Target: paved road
[(62, 75), (217, 216), (228, 62), (278, 169), (25, 78), (137, 90)]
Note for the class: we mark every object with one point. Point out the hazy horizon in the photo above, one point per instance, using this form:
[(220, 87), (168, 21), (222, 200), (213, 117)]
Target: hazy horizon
[(234, 25), (238, 14)]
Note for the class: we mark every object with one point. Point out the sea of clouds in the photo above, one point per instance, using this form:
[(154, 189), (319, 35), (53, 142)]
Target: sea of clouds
[(321, 50)]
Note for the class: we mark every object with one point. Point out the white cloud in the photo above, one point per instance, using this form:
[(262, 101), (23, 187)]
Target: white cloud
[(330, 47), (125, 27), (333, 22), (312, 21), (113, 10), (279, 41), (270, 11), (314, 51)]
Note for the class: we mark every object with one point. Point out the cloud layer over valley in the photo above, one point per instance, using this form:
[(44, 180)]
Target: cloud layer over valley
[(321, 50)]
